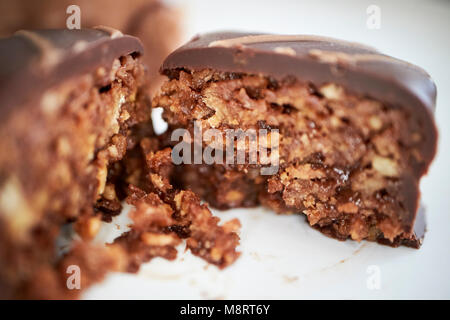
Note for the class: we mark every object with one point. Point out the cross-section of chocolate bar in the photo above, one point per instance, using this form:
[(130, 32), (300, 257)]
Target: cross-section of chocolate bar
[(70, 100), (355, 127)]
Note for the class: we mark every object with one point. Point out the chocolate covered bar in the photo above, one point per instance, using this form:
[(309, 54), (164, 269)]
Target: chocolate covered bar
[(69, 102), (355, 129)]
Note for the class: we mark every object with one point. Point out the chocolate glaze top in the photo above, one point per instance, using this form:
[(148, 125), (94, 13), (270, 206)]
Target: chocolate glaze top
[(310, 58), (318, 60), (33, 61)]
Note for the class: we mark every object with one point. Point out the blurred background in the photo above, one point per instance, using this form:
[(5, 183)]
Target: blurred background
[(282, 257)]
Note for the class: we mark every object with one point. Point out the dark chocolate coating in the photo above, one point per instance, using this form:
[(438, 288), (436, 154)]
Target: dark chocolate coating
[(32, 62), (318, 60), (361, 70)]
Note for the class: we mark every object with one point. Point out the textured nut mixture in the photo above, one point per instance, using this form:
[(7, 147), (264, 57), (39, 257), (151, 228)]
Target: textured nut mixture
[(60, 168), (344, 160), (164, 215)]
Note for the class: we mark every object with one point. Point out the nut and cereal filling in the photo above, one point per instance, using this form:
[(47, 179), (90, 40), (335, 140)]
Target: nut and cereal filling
[(347, 162)]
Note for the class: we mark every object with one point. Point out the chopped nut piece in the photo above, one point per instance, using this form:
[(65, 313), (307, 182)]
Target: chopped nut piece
[(387, 167), (375, 123), (88, 228), (348, 208), (332, 91), (110, 192), (285, 50), (233, 196), (155, 239), (359, 230)]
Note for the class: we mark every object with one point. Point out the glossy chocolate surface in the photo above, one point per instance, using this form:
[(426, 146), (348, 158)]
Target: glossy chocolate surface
[(32, 62)]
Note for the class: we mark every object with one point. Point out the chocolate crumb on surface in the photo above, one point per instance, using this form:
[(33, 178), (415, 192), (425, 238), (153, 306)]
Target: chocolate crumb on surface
[(164, 215)]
